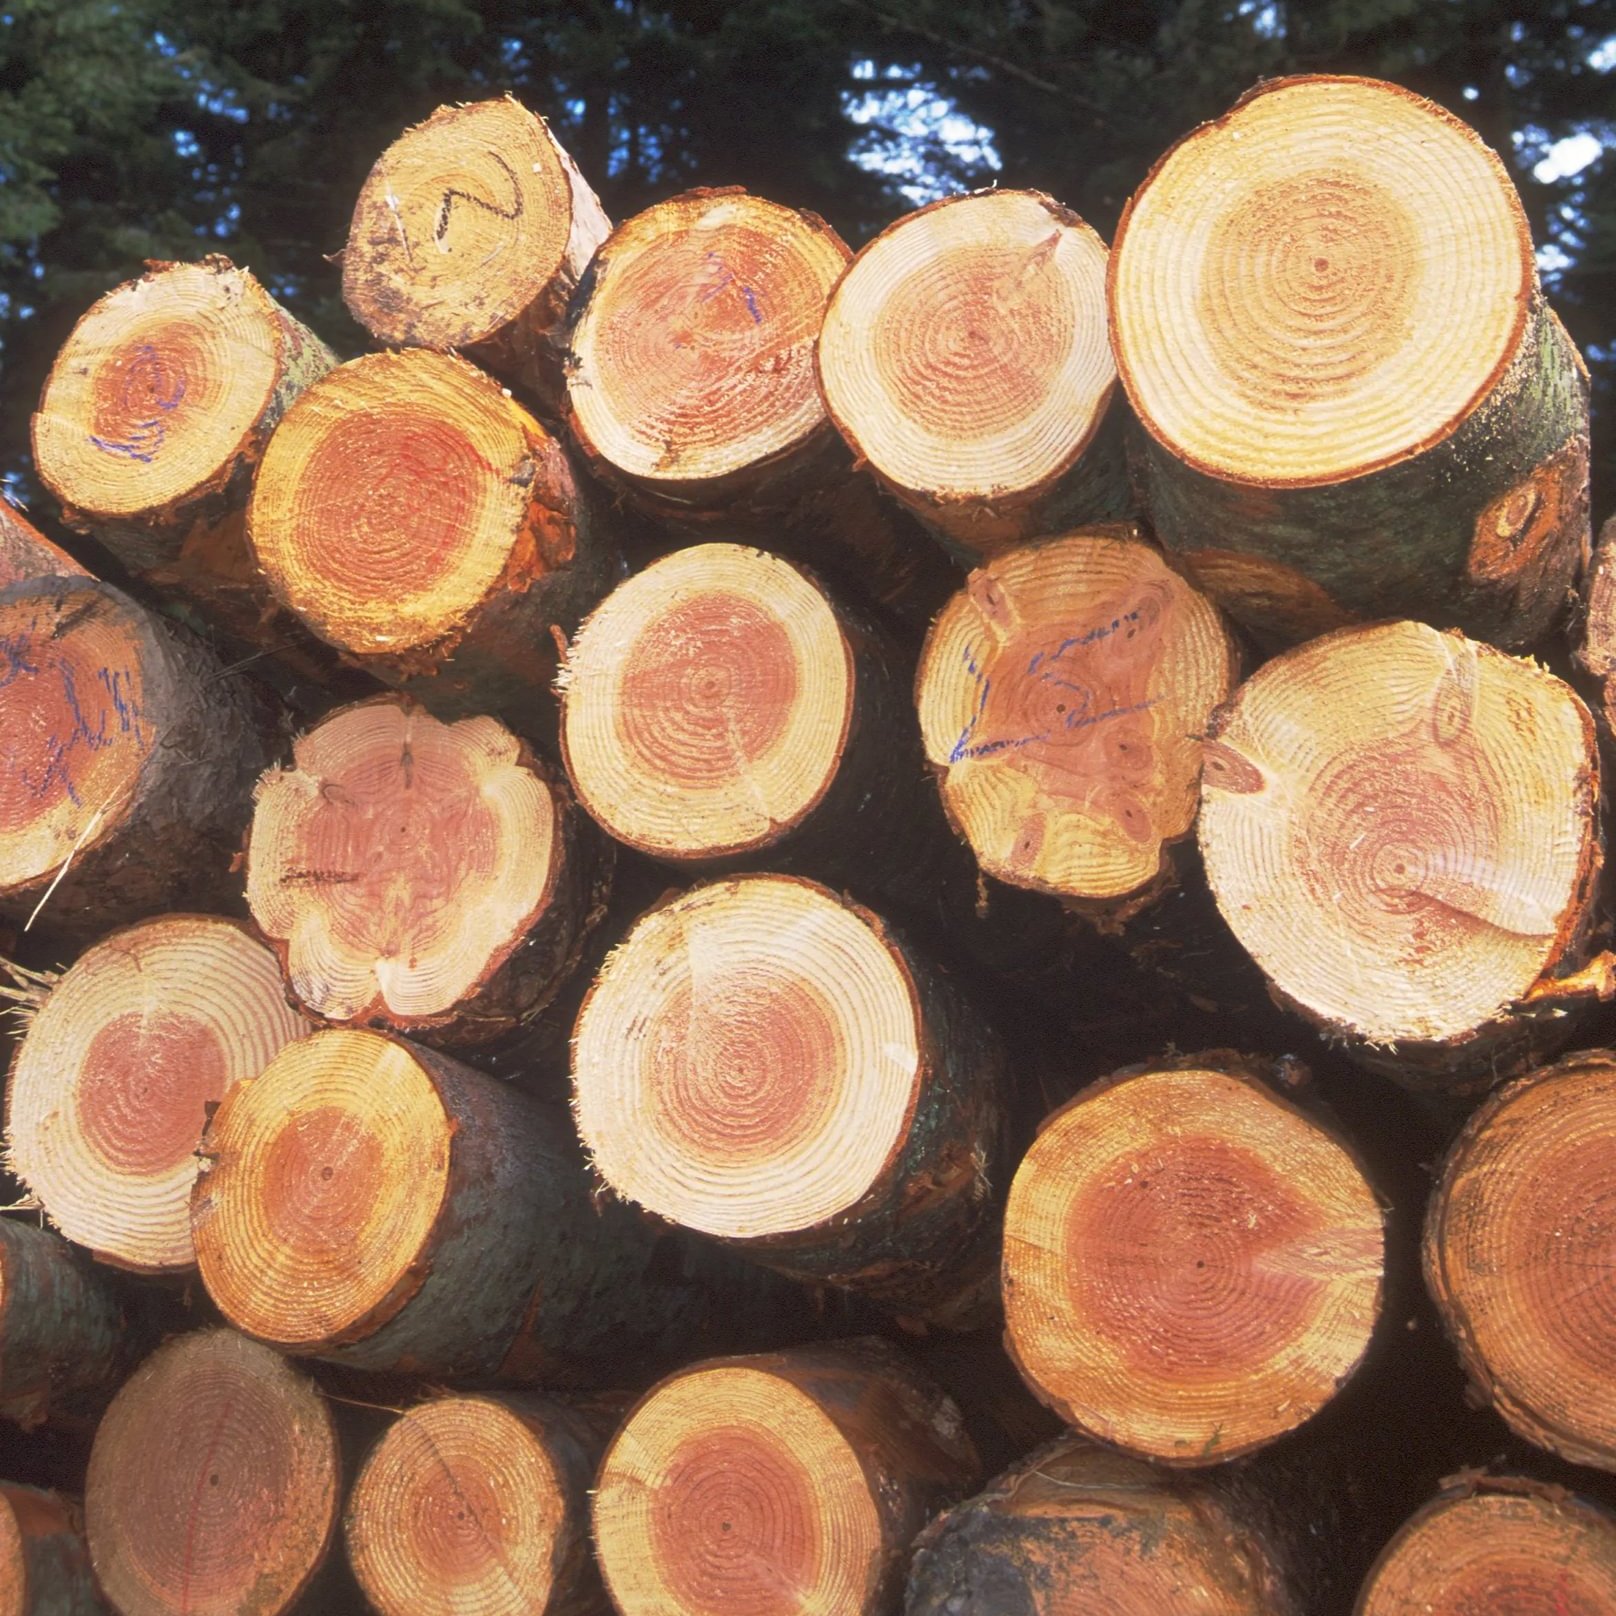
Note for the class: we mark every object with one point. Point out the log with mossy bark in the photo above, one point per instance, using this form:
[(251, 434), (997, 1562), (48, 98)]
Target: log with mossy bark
[(44, 1563), (127, 755), (809, 1471), (1326, 312), (770, 1065), (1416, 873), (470, 235)]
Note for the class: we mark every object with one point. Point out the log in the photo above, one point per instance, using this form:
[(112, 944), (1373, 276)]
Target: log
[(1192, 1265), (373, 1203), (770, 1065), (423, 523), (112, 1084), (964, 358), (433, 878), (25, 552), (1063, 695), (1595, 644), (1504, 1544), (64, 1333), (126, 761), (722, 708), (480, 1503), (470, 235), (809, 1471), (1515, 1256), (214, 1482), (1413, 873), (44, 1564), (1074, 1527), (1326, 313)]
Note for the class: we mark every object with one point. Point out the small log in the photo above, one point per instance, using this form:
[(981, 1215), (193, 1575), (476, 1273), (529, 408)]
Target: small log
[(1413, 873), (1075, 1528), (25, 552), (1063, 695), (470, 235), (1192, 1266), (1596, 644), (721, 707), (1326, 312), (63, 1329), (424, 524), (1497, 1544), (383, 1206), (432, 878), (214, 1482), (808, 1471), (111, 1087), (126, 761), (1515, 1256), (964, 358), (769, 1064), (481, 1503), (44, 1564)]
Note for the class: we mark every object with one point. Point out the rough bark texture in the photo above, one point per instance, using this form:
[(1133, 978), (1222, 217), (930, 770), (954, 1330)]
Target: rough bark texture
[(44, 1565), (25, 552), (1596, 643)]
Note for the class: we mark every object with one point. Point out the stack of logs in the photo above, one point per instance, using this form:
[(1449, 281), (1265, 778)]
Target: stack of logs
[(606, 903)]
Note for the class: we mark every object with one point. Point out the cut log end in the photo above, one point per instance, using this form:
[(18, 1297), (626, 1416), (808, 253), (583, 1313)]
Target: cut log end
[(1063, 694), (400, 861), (1516, 1255), (1191, 1266), (707, 704), (1404, 869), (1530, 1553), (44, 1564), (748, 1060), (325, 1179), (213, 1483), (964, 354), (1324, 282), (112, 1085), (692, 358)]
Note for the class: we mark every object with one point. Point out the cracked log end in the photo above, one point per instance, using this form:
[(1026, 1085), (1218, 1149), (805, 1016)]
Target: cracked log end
[(707, 704), (110, 1090), (1063, 694), (213, 1483), (1191, 1266), (1404, 868)]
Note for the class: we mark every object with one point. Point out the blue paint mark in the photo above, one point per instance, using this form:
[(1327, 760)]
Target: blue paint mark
[(147, 375), (962, 747), (1073, 642), (752, 305), (126, 716), (144, 456), (727, 278)]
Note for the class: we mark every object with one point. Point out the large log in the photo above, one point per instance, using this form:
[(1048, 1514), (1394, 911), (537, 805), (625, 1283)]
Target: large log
[(1192, 1266), (1326, 312), (964, 357), (126, 761), (786, 1481), (433, 878), (1414, 873), (470, 234), (769, 1064), (44, 1564), (112, 1084), (1063, 695)]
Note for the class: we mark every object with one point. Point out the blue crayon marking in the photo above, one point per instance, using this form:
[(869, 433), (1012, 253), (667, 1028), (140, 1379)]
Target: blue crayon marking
[(145, 437)]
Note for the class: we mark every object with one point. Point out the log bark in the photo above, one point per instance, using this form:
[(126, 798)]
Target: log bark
[(809, 1470), (1501, 1543), (1414, 874), (432, 878), (1063, 694), (112, 1084), (25, 552), (126, 761), (964, 358), (770, 1065), (214, 1483), (1192, 1266), (722, 709), (1595, 644), (419, 520), (481, 1503), (1327, 316), (44, 1564), (470, 235), (1514, 1253), (373, 1203), (64, 1333)]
